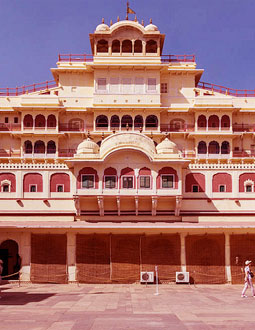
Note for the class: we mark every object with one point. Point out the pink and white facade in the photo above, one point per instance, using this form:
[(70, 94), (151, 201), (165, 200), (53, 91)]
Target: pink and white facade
[(126, 160)]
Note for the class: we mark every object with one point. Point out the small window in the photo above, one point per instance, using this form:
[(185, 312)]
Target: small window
[(16, 120), (110, 181), (32, 188), (101, 84), (60, 187), (167, 181), (127, 182), (6, 188), (145, 181), (163, 88), (6, 120), (222, 188), (248, 188), (195, 188), (151, 84), (88, 181)]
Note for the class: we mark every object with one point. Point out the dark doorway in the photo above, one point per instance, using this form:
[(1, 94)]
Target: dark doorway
[(9, 253)]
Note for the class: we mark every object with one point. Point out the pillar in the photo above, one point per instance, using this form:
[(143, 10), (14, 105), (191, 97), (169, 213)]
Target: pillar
[(183, 252), (71, 256), (25, 254), (227, 258)]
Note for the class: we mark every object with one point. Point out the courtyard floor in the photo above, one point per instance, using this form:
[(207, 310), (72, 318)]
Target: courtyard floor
[(116, 306)]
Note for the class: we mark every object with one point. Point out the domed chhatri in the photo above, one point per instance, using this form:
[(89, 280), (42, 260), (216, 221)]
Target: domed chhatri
[(102, 27), (167, 147), (87, 147), (151, 27)]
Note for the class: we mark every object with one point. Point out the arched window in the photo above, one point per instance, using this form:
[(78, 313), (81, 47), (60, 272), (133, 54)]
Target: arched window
[(102, 46), (28, 121), (110, 178), (225, 122), (101, 121), (115, 122), (39, 147), (126, 121), (225, 147), (167, 178), (202, 148), (60, 182), (201, 121), (177, 125), (214, 148), (138, 47), (151, 121), (33, 182), (151, 46), (145, 179), (87, 178), (213, 122), (28, 147), (138, 122), (51, 121), (8, 182), (127, 46), (127, 178), (39, 121), (246, 182), (116, 46), (51, 147), (75, 124)]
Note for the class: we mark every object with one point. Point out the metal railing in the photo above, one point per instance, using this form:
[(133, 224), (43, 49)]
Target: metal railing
[(28, 88), (75, 58), (177, 58), (226, 90)]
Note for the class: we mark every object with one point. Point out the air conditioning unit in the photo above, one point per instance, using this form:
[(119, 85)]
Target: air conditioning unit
[(182, 277), (147, 277)]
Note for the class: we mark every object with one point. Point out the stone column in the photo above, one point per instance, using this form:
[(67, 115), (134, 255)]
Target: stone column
[(71, 256), (227, 258), (183, 252), (25, 254)]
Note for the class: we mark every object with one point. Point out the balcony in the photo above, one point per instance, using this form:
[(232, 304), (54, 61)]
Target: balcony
[(177, 128), (9, 127), (177, 58), (243, 127), (67, 127)]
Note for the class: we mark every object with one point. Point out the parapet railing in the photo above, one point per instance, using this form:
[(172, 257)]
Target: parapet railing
[(178, 58), (15, 91), (226, 90)]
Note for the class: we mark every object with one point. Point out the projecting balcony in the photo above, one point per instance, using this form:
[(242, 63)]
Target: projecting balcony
[(177, 128), (243, 127), (4, 127), (67, 127)]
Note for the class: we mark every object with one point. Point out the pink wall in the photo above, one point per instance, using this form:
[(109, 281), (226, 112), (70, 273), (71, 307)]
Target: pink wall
[(222, 179), (87, 170), (34, 179), (167, 170), (59, 178), (195, 179), (243, 177), (10, 177), (110, 171)]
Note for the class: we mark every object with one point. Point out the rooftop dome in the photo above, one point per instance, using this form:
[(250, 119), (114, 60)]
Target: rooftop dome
[(151, 27), (87, 147), (102, 27), (167, 147)]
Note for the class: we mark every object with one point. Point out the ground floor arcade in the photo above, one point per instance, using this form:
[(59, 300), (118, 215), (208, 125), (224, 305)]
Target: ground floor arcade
[(117, 253)]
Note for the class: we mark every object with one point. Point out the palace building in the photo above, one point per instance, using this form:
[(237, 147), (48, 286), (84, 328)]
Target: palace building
[(125, 161)]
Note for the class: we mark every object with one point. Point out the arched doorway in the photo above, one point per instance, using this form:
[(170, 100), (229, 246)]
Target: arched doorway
[(9, 253)]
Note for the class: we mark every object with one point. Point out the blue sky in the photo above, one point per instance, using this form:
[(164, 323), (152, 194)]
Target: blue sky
[(221, 33)]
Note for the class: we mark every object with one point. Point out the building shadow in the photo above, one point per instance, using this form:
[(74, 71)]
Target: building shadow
[(22, 298)]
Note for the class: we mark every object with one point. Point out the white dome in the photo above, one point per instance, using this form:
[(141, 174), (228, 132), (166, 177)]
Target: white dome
[(87, 147), (151, 27), (167, 147), (102, 27)]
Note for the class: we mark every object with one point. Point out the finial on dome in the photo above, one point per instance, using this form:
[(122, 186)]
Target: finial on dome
[(102, 20), (142, 22), (127, 17), (135, 19), (111, 22), (118, 19), (150, 20), (88, 135)]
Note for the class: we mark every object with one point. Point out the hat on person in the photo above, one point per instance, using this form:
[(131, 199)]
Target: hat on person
[(247, 262)]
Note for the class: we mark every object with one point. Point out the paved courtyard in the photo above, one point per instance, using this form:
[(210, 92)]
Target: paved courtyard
[(66, 307)]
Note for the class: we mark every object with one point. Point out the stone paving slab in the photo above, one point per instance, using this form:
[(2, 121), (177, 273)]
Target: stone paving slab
[(120, 307)]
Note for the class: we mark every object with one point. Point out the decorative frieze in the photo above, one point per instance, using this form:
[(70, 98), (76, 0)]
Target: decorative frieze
[(31, 166)]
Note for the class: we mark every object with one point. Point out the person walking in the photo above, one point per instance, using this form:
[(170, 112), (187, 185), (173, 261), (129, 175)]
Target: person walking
[(248, 279), (1, 270)]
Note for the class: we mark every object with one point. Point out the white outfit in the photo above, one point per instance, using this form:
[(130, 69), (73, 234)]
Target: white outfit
[(248, 282)]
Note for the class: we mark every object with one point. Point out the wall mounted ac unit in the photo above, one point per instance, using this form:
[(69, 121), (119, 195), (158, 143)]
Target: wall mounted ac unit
[(147, 277), (182, 277)]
